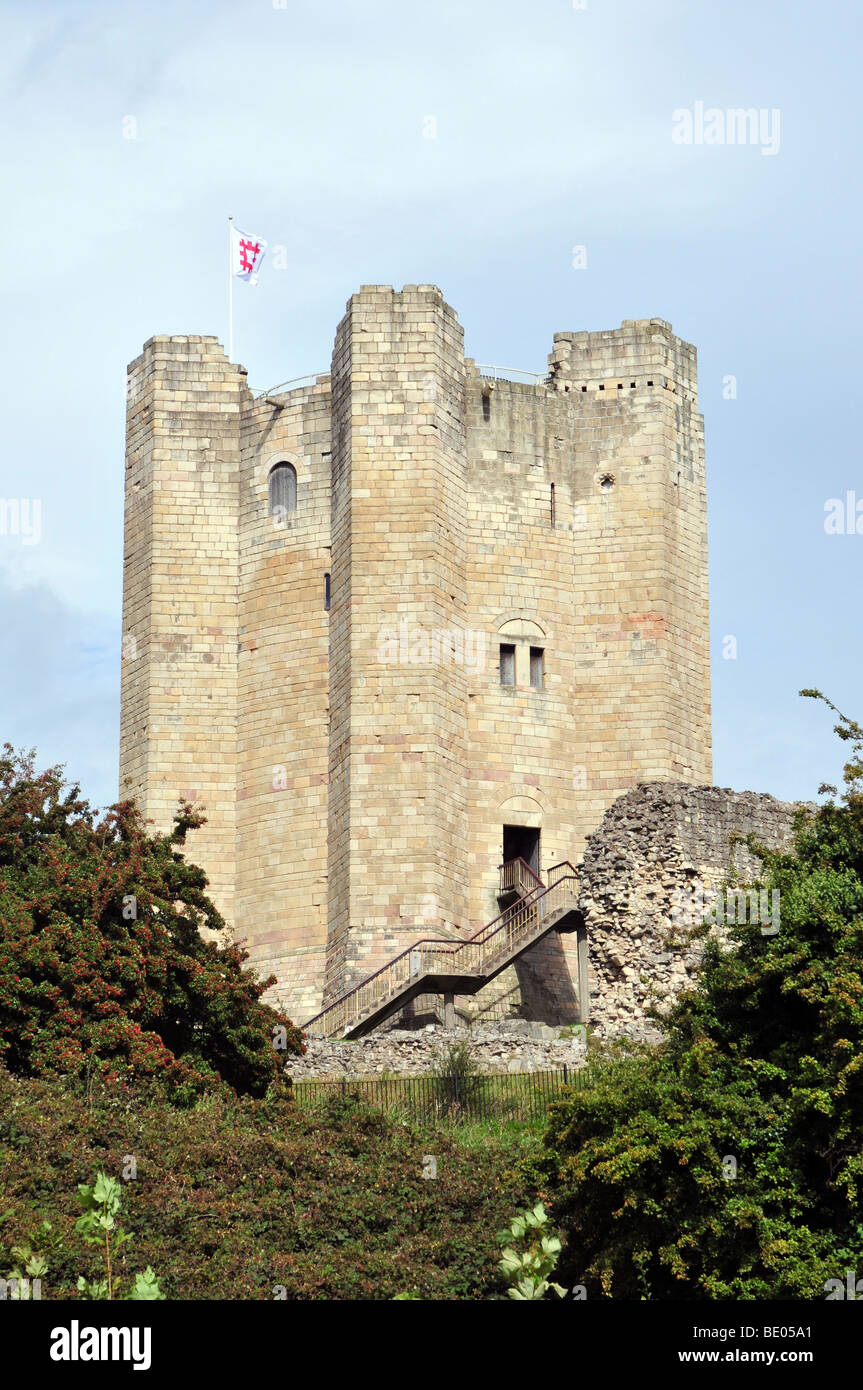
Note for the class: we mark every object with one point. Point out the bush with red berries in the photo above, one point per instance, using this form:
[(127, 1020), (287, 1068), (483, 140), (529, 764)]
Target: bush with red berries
[(103, 968)]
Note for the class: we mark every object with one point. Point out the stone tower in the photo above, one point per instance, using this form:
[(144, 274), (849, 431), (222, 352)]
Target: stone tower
[(399, 623)]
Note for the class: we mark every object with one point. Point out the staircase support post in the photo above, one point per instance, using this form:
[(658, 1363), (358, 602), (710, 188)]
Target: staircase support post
[(449, 1012), (582, 967)]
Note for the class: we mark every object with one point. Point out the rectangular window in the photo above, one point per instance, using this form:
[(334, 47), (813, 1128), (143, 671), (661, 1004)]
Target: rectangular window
[(507, 664), (327, 593), (536, 667)]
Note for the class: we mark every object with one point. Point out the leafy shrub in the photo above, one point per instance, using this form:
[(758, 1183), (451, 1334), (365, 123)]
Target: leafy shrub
[(530, 1256), (728, 1163), (240, 1197), (98, 1226), (103, 969), (24, 1280), (457, 1075)]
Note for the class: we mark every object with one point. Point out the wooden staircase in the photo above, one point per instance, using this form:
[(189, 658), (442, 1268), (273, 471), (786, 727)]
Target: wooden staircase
[(435, 966)]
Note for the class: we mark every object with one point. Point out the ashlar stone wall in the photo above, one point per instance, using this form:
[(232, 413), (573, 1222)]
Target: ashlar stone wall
[(358, 761)]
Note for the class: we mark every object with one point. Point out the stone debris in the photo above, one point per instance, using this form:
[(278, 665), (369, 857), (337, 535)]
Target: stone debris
[(512, 1046)]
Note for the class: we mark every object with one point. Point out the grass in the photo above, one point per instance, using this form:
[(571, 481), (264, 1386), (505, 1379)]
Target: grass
[(515, 1137)]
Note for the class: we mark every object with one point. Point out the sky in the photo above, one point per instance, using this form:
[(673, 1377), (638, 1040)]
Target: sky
[(472, 146)]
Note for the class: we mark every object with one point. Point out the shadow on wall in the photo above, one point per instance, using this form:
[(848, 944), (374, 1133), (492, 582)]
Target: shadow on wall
[(548, 994), (538, 987)]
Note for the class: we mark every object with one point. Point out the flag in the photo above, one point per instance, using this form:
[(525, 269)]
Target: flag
[(247, 252)]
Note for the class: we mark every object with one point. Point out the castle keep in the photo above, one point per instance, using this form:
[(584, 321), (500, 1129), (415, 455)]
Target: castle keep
[(408, 622)]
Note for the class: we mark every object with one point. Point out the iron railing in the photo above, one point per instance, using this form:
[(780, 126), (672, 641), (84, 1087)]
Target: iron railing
[(516, 876), (473, 959), (430, 1099), (308, 380), (511, 374), (485, 369), (559, 871)]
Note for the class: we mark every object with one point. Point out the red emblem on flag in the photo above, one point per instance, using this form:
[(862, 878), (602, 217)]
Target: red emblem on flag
[(247, 249), (247, 252)]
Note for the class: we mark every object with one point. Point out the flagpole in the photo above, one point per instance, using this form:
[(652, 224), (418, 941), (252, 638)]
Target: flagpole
[(230, 296)]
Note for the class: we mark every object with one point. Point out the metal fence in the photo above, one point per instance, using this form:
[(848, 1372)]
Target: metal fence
[(433, 1099)]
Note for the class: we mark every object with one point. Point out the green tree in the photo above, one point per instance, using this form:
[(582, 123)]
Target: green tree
[(727, 1163), (103, 968)]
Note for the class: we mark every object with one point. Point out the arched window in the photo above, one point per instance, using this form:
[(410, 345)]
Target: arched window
[(283, 491)]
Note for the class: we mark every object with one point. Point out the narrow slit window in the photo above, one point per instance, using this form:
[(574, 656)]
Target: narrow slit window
[(552, 511), (486, 406), (327, 593), (537, 665), (282, 485), (507, 664)]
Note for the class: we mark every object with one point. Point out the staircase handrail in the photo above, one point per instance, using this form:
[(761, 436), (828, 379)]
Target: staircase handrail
[(449, 947), (524, 864), (564, 864)]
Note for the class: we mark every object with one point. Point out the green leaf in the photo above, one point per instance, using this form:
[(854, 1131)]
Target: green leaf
[(146, 1288)]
